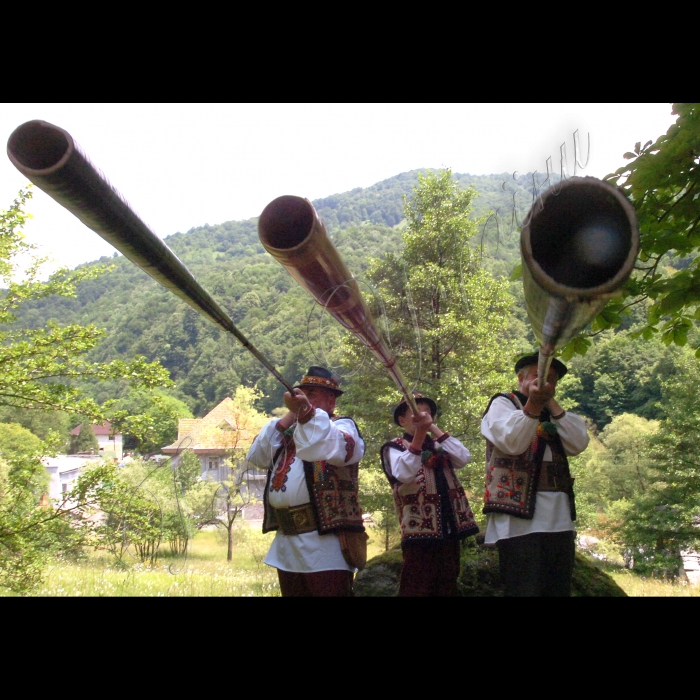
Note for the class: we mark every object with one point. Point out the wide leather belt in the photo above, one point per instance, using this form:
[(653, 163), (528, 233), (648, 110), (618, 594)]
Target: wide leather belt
[(554, 478), (296, 520)]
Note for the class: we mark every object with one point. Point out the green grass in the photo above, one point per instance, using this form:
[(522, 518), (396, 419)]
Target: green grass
[(648, 587), (205, 571)]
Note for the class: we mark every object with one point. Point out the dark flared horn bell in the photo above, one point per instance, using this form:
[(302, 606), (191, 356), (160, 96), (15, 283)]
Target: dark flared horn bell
[(579, 244)]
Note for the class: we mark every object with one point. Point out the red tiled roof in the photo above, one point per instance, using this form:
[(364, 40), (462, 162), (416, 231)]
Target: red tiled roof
[(104, 428)]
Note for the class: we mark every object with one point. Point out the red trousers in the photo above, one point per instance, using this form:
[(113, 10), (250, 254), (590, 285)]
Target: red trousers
[(318, 584), (430, 569)]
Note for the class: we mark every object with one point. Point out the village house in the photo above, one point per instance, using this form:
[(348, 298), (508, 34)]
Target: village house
[(63, 470), (109, 439), (215, 439)]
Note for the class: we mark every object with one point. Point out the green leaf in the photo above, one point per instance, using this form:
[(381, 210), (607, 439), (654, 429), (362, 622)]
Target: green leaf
[(654, 314), (680, 336), (674, 301), (568, 351), (517, 272)]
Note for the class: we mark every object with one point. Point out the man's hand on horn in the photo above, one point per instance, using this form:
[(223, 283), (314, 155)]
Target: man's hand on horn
[(539, 398), (298, 404)]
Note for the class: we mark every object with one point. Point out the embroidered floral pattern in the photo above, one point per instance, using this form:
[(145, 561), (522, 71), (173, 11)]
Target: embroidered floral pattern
[(515, 477), (419, 504), (349, 446), (284, 464)]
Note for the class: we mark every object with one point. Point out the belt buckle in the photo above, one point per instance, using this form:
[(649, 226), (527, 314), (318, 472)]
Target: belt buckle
[(301, 518), (295, 520)]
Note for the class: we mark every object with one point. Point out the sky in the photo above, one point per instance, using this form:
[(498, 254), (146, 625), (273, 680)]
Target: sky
[(182, 166)]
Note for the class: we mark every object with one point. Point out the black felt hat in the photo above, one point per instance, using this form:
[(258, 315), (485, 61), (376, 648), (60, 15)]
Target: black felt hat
[(557, 365), (418, 397), (321, 378)]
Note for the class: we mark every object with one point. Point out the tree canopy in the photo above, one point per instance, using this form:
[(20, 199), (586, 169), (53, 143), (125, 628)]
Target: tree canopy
[(444, 316), (39, 366), (662, 181), (39, 370)]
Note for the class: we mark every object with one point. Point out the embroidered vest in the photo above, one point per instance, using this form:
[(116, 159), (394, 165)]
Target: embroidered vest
[(333, 489), (512, 480), (434, 505)]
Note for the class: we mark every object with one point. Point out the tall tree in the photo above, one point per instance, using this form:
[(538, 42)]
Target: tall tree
[(85, 440), (30, 530), (40, 366), (149, 419), (663, 182), (39, 369), (444, 316), (664, 520)]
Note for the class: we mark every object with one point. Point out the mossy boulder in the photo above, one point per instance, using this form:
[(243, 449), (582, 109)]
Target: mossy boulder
[(380, 578), (479, 575)]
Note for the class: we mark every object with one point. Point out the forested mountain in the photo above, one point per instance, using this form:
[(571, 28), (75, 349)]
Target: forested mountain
[(281, 320), (276, 315)]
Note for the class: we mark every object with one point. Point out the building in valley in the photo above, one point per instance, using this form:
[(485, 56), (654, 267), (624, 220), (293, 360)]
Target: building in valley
[(221, 441), (108, 438)]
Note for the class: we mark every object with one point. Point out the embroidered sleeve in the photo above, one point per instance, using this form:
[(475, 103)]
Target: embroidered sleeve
[(265, 445), (349, 447), (508, 428), (458, 453), (405, 465), (573, 433), (324, 439)]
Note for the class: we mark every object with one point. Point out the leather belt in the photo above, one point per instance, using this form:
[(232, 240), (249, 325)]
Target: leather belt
[(554, 477), (296, 520)]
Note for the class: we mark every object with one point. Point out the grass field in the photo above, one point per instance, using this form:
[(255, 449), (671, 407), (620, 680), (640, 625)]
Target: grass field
[(205, 572), (642, 587)]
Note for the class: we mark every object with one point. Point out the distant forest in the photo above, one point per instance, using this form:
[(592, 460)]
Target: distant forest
[(141, 318), (281, 320)]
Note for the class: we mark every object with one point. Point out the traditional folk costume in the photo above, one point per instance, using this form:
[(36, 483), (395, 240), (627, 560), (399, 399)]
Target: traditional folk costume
[(529, 494), (432, 508), (311, 496)]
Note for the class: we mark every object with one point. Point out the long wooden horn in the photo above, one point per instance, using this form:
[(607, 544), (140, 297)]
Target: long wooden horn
[(579, 243), (49, 157), (292, 232)]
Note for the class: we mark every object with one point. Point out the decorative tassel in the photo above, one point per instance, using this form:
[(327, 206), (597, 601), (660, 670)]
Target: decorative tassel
[(550, 428)]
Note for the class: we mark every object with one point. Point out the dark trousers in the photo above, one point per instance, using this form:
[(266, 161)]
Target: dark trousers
[(318, 584), (540, 564), (430, 569)]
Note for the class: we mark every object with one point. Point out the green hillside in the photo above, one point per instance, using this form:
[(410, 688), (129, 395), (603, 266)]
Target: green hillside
[(277, 316)]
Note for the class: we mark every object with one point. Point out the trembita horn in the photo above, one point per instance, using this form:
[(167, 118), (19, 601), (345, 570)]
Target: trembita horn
[(49, 157), (579, 243), (291, 231)]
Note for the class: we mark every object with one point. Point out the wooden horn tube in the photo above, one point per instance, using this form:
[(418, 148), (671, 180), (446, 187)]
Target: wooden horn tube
[(49, 157), (579, 243), (291, 231)]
